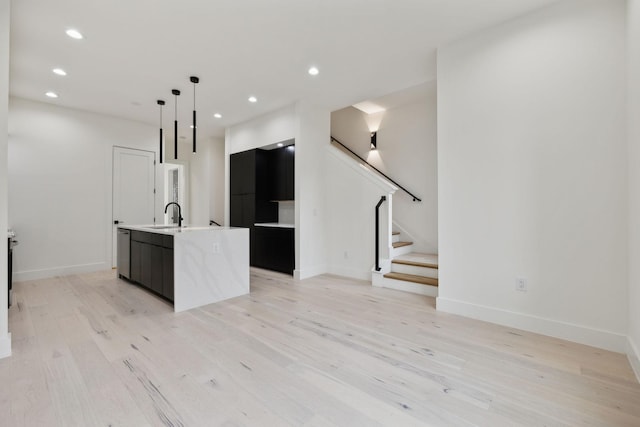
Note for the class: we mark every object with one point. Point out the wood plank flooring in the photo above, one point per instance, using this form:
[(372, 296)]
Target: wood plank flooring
[(93, 350)]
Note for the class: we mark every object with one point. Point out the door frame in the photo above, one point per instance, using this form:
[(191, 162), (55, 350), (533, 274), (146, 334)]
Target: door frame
[(112, 226)]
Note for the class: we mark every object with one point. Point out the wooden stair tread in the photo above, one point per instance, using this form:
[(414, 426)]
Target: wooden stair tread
[(401, 244), (395, 233), (412, 278), (417, 259)]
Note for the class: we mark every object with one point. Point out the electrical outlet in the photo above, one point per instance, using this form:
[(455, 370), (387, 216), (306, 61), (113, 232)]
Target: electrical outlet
[(216, 248), (521, 284)]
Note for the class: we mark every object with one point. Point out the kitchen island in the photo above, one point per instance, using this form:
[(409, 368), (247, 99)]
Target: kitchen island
[(190, 266)]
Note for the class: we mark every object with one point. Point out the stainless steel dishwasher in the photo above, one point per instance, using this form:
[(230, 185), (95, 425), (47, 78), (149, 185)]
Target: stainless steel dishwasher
[(124, 248)]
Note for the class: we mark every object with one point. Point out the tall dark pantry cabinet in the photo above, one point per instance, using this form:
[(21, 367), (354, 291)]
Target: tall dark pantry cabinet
[(259, 181)]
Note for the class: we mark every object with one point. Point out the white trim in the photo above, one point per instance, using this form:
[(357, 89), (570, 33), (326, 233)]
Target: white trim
[(22, 276), (5, 346), (571, 332), (309, 272), (634, 357)]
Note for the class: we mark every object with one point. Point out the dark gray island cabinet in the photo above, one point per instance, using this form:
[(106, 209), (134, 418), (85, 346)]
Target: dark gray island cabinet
[(151, 262)]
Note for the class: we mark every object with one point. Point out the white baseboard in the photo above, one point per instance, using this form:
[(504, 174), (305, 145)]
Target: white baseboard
[(312, 271), (576, 333), (23, 276), (5, 346), (633, 354)]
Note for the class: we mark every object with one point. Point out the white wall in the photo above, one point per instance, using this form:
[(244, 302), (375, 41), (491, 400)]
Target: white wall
[(5, 337), (216, 181), (533, 173), (352, 194), (633, 113), (60, 168), (206, 182), (407, 140), (312, 137)]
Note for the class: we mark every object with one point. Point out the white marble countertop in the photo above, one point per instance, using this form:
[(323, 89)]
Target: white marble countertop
[(274, 224), (171, 229)]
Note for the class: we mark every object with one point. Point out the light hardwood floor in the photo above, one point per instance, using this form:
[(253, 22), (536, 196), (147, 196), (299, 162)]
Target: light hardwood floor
[(92, 350)]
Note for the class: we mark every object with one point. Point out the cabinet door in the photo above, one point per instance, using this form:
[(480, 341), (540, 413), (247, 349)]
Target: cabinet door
[(124, 253), (145, 265), (274, 249), (167, 273), (156, 269), (242, 173), (282, 173), (136, 261), (289, 174)]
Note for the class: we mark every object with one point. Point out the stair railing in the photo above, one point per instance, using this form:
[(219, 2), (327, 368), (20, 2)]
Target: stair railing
[(415, 198), (382, 199)]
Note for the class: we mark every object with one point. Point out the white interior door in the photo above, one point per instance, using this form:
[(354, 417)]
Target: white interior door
[(133, 189)]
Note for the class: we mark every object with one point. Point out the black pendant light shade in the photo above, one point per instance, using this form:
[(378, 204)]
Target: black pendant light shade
[(160, 103), (175, 92), (194, 80)]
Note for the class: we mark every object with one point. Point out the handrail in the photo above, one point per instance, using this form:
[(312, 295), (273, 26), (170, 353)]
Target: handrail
[(382, 199), (415, 198), (211, 222)]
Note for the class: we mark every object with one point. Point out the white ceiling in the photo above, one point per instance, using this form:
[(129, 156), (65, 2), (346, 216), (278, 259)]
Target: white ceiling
[(135, 51)]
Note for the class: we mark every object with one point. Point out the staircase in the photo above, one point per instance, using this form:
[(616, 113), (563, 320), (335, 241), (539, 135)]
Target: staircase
[(410, 271)]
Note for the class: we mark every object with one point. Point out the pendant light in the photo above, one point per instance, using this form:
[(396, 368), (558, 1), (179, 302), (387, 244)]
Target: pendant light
[(175, 92), (194, 80), (160, 103)]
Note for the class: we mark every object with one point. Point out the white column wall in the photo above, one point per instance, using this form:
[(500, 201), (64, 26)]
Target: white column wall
[(633, 121), (532, 162), (5, 336), (312, 137)]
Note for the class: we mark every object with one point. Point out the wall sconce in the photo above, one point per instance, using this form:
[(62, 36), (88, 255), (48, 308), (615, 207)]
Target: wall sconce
[(374, 143)]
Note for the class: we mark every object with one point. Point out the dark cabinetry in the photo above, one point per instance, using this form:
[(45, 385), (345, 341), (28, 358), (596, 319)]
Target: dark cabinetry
[(275, 249), (259, 178), (281, 173), (243, 172), (152, 262)]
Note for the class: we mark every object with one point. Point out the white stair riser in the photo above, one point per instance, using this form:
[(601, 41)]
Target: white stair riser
[(395, 238), (403, 250), (401, 285), (415, 270)]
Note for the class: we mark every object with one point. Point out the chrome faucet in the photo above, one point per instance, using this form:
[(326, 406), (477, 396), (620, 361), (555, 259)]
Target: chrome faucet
[(179, 212)]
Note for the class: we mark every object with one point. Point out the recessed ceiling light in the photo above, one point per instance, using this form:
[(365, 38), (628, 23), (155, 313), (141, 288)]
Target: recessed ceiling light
[(74, 34), (253, 99), (217, 115), (314, 71), (51, 94), (280, 144), (59, 71)]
